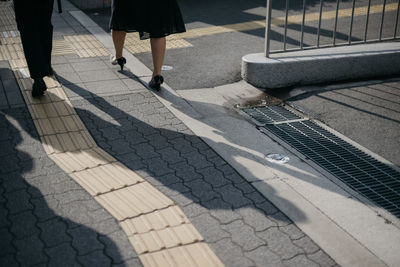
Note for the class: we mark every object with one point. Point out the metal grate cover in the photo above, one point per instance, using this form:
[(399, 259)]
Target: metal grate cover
[(364, 174), (270, 115)]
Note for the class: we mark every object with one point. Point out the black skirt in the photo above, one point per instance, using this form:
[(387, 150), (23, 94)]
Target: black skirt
[(151, 18)]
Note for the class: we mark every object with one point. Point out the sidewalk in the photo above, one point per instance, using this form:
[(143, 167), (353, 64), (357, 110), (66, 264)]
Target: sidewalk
[(47, 218), (197, 159)]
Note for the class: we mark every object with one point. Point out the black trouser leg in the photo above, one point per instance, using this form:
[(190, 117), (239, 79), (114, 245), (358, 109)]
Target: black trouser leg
[(34, 23)]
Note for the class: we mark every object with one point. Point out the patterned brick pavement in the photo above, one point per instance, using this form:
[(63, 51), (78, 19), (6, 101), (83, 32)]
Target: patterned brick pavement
[(46, 218)]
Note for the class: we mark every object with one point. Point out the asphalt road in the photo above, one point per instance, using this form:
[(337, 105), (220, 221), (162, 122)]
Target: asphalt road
[(215, 60)]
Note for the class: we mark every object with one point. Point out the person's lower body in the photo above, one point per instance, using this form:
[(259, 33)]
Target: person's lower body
[(118, 40), (34, 23)]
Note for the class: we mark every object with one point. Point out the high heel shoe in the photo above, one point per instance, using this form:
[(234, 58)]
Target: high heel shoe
[(38, 87), (120, 61), (156, 82)]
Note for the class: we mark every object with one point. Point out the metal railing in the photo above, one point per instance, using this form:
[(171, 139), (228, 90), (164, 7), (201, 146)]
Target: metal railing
[(284, 21)]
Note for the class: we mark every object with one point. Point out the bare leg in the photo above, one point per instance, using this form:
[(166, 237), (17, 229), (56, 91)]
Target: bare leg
[(119, 40), (158, 46)]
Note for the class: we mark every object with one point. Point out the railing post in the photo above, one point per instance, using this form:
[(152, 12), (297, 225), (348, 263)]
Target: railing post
[(267, 28)]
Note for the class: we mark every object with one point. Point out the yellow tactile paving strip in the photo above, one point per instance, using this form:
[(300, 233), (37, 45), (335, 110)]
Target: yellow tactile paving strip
[(158, 229), (87, 45), (135, 45), (280, 21)]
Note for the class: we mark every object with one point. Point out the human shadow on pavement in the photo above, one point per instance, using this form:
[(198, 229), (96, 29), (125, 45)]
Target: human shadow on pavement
[(45, 217)]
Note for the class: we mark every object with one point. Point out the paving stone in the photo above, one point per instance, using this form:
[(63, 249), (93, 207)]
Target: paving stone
[(13, 182), (221, 210), (95, 258), (201, 190), (60, 69), (111, 133), (53, 232), (9, 261), (214, 177), (243, 235), (300, 260), (173, 189), (292, 231), (185, 172), (133, 84), (89, 65), (158, 166), (256, 197), (120, 253), (134, 137), (85, 240), (44, 208), (230, 254), (194, 209), (235, 178), (23, 224), (247, 189), (267, 207), (233, 196), (306, 244), (120, 146), (30, 251), (97, 75), (209, 228), (164, 180), (184, 199), (18, 201), (8, 164), (170, 155), (197, 160), (62, 255), (281, 219), (6, 246), (4, 222), (135, 262), (106, 86), (322, 258), (72, 196), (182, 145), (145, 151), (264, 257), (255, 218), (146, 129), (280, 243)]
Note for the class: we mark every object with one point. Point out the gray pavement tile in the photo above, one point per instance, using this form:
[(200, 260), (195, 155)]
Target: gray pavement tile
[(280, 243), (322, 259), (145, 151), (85, 241), (185, 172), (221, 210), (111, 133), (4, 222), (233, 196), (292, 231), (63, 68), (97, 75), (182, 145), (173, 189), (9, 261), (202, 190), (230, 253), (89, 65), (197, 160), (243, 235), (194, 210), (23, 224), (300, 260), (54, 232), (158, 166), (6, 246), (120, 147), (160, 143), (18, 201), (307, 245), (135, 262), (256, 219), (58, 60), (44, 208), (170, 155), (214, 177), (104, 87), (10, 85), (5, 72), (15, 99), (264, 257), (121, 254), (62, 255), (8, 164), (95, 258), (30, 251), (256, 197), (210, 228), (133, 84)]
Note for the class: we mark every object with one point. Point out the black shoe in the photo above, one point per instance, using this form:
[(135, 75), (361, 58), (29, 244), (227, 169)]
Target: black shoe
[(156, 82), (38, 87), (120, 61)]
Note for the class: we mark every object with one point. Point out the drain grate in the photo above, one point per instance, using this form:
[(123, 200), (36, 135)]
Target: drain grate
[(361, 172), (269, 115)]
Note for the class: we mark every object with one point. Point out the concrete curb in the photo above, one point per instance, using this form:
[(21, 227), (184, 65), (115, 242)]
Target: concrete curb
[(322, 65)]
